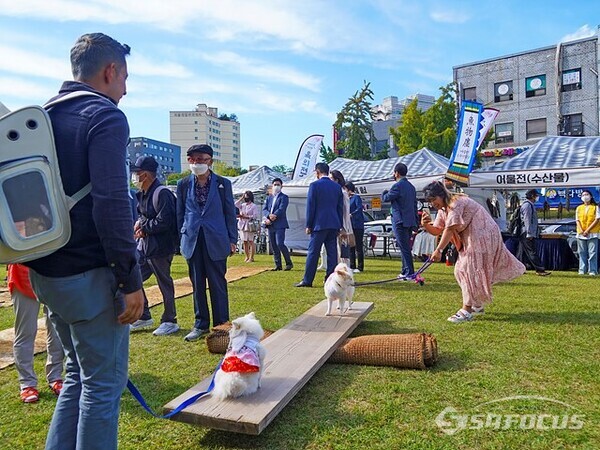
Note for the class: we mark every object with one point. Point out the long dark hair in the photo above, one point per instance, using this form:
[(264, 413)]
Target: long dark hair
[(338, 177), (249, 195), (592, 200), (437, 189)]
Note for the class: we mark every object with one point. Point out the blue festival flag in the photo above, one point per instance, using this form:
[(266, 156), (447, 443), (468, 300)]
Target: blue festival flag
[(467, 142)]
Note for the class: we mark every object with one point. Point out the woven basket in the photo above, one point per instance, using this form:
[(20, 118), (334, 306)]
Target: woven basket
[(217, 340)]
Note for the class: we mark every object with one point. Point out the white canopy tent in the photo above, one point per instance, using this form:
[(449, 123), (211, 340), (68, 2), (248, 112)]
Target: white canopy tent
[(555, 161), (257, 180)]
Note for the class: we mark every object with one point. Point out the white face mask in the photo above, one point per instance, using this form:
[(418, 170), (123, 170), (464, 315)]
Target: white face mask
[(276, 189), (586, 198), (135, 179), (199, 169)]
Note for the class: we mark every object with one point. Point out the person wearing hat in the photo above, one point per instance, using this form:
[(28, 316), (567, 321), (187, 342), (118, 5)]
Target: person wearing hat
[(530, 231), (156, 233), (206, 220)]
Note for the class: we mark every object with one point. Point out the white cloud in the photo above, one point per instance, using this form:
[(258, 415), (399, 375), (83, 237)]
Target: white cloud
[(23, 62), (435, 76), (262, 70), (141, 66), (583, 32), (448, 16), (21, 92)]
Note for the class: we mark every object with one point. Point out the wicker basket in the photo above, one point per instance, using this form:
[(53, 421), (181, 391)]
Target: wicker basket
[(408, 351), (217, 340)]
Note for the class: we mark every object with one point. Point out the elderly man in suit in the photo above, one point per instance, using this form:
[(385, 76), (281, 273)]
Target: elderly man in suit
[(275, 219), (403, 198), (324, 212), (206, 220)]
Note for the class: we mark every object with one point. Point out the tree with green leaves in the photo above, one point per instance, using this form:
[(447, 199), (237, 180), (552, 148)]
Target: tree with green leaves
[(173, 178), (353, 125), (434, 128), (219, 167), (327, 155), (281, 168), (408, 135)]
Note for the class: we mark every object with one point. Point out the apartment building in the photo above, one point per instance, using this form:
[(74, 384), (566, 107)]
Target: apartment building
[(204, 125)]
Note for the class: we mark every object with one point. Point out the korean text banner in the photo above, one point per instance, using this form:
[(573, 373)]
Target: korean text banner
[(467, 141), (540, 178), (307, 156)]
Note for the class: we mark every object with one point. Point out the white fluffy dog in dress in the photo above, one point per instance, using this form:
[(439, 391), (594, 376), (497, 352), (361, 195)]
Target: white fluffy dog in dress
[(340, 286), (241, 369)]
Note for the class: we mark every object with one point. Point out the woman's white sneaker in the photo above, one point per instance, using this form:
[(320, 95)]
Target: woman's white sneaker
[(461, 316)]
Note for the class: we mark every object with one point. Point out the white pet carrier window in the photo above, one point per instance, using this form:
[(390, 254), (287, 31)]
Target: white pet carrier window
[(31, 208)]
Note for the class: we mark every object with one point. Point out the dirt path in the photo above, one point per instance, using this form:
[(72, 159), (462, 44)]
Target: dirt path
[(183, 287)]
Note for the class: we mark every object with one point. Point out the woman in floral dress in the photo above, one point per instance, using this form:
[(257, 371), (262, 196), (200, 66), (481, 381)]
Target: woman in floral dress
[(483, 258)]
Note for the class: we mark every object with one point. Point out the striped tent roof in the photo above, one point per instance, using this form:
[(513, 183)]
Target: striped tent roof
[(421, 163), (554, 152), (256, 181)]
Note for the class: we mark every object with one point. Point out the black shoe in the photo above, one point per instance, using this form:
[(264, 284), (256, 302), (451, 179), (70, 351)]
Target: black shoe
[(275, 269), (303, 284), (288, 267)]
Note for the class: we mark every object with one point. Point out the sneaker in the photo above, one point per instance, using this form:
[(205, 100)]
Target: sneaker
[(477, 311), (56, 387), (166, 328), (592, 274), (30, 395), (140, 324), (195, 334), (356, 270), (581, 273), (543, 274), (460, 316)]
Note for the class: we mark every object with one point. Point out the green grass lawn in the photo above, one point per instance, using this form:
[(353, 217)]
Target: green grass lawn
[(539, 338)]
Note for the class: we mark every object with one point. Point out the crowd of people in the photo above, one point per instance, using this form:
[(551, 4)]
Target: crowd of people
[(91, 289)]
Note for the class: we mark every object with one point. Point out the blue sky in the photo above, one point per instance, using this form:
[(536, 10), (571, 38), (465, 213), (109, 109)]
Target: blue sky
[(284, 67)]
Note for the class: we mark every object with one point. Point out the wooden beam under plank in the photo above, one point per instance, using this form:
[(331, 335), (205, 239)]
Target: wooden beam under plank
[(294, 354)]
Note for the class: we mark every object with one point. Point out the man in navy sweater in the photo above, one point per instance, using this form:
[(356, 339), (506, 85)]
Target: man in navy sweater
[(92, 285)]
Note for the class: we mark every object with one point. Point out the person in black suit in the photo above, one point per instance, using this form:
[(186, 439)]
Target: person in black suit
[(324, 210), (403, 197), (275, 219)]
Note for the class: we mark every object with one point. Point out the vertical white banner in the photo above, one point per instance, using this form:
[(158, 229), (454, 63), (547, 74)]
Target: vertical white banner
[(307, 156), (488, 115)]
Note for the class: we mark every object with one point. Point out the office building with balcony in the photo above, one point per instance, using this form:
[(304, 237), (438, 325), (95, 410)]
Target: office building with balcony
[(547, 91), (204, 125)]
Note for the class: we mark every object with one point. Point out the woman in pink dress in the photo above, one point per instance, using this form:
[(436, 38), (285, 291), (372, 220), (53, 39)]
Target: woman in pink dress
[(248, 213), (483, 258)]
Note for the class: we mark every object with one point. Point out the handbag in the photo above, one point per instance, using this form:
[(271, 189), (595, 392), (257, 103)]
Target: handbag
[(252, 226)]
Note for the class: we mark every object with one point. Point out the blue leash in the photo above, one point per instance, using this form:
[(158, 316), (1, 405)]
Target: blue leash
[(140, 398)]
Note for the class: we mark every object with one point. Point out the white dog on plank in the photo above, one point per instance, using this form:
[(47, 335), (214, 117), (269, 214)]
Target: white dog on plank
[(340, 286), (241, 369)]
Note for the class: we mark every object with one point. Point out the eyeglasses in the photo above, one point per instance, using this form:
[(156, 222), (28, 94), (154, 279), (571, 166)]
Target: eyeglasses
[(199, 160)]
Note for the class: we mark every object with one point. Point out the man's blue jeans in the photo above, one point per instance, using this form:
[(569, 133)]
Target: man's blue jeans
[(84, 309)]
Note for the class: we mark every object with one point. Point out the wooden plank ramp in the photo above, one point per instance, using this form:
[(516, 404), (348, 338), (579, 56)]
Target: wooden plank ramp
[(294, 354)]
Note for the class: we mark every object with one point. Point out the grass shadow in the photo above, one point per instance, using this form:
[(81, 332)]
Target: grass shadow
[(576, 318)]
